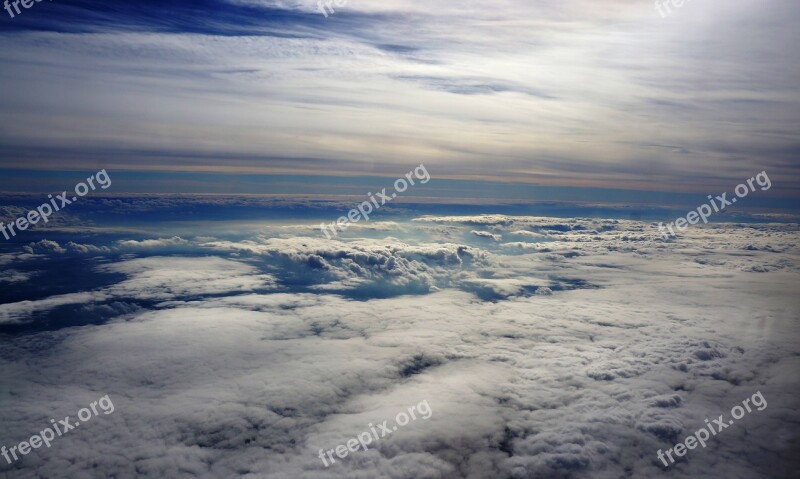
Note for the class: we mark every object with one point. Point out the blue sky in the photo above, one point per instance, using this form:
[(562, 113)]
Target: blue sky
[(557, 95)]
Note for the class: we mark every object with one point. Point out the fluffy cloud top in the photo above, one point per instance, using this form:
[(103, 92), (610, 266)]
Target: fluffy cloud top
[(577, 361)]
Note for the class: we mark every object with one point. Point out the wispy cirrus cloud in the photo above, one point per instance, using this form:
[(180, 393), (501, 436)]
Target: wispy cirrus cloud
[(545, 92)]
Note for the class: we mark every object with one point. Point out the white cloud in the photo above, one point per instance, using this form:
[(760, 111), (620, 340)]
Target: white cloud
[(153, 278), (22, 311), (586, 382), (14, 276), (486, 234), (165, 278), (49, 247), (457, 75), (154, 243)]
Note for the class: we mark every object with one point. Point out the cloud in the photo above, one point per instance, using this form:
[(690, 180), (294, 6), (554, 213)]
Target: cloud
[(164, 278), (149, 279), (486, 234), (14, 276), (20, 311), (450, 73), (251, 375), (50, 247), (388, 266), (154, 243)]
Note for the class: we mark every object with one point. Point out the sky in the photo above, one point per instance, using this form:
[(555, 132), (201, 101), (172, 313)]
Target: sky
[(565, 95), (219, 288)]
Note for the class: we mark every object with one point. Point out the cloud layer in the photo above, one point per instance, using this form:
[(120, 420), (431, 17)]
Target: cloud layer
[(570, 92), (554, 348)]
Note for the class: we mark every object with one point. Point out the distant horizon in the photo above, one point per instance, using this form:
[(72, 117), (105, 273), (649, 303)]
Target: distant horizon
[(342, 187)]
